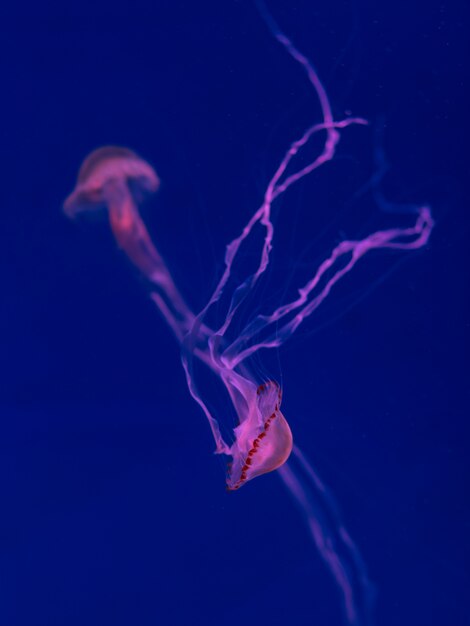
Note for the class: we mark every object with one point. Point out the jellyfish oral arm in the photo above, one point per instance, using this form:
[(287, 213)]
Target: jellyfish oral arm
[(133, 238)]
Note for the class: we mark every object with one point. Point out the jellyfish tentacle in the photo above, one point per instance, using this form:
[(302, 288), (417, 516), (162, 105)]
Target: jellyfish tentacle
[(274, 188), (418, 234), (331, 538), (133, 238)]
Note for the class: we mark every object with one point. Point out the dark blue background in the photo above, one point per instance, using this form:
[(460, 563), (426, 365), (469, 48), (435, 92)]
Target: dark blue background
[(113, 508)]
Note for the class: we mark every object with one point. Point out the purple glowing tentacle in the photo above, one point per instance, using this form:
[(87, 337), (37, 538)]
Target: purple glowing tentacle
[(221, 447), (133, 237), (168, 316), (331, 538), (333, 136), (239, 385), (333, 507), (275, 188), (234, 354), (180, 332), (231, 379)]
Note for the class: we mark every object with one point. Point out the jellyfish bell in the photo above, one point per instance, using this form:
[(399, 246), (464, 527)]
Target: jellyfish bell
[(105, 169), (117, 179), (263, 439)]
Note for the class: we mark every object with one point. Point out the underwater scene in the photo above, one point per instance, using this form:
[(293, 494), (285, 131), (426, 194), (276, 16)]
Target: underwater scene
[(235, 328)]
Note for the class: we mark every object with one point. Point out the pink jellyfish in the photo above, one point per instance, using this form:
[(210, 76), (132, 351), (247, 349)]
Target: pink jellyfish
[(117, 179)]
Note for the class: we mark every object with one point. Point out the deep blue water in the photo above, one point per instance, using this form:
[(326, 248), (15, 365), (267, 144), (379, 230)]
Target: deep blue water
[(113, 506)]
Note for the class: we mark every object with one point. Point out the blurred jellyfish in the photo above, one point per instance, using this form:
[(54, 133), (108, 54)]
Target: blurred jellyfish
[(118, 179)]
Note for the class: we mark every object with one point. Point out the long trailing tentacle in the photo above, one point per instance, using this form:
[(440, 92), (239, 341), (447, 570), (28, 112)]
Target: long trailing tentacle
[(331, 538)]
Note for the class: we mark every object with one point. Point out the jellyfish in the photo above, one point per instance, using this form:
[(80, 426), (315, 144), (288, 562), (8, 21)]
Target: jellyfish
[(117, 180)]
